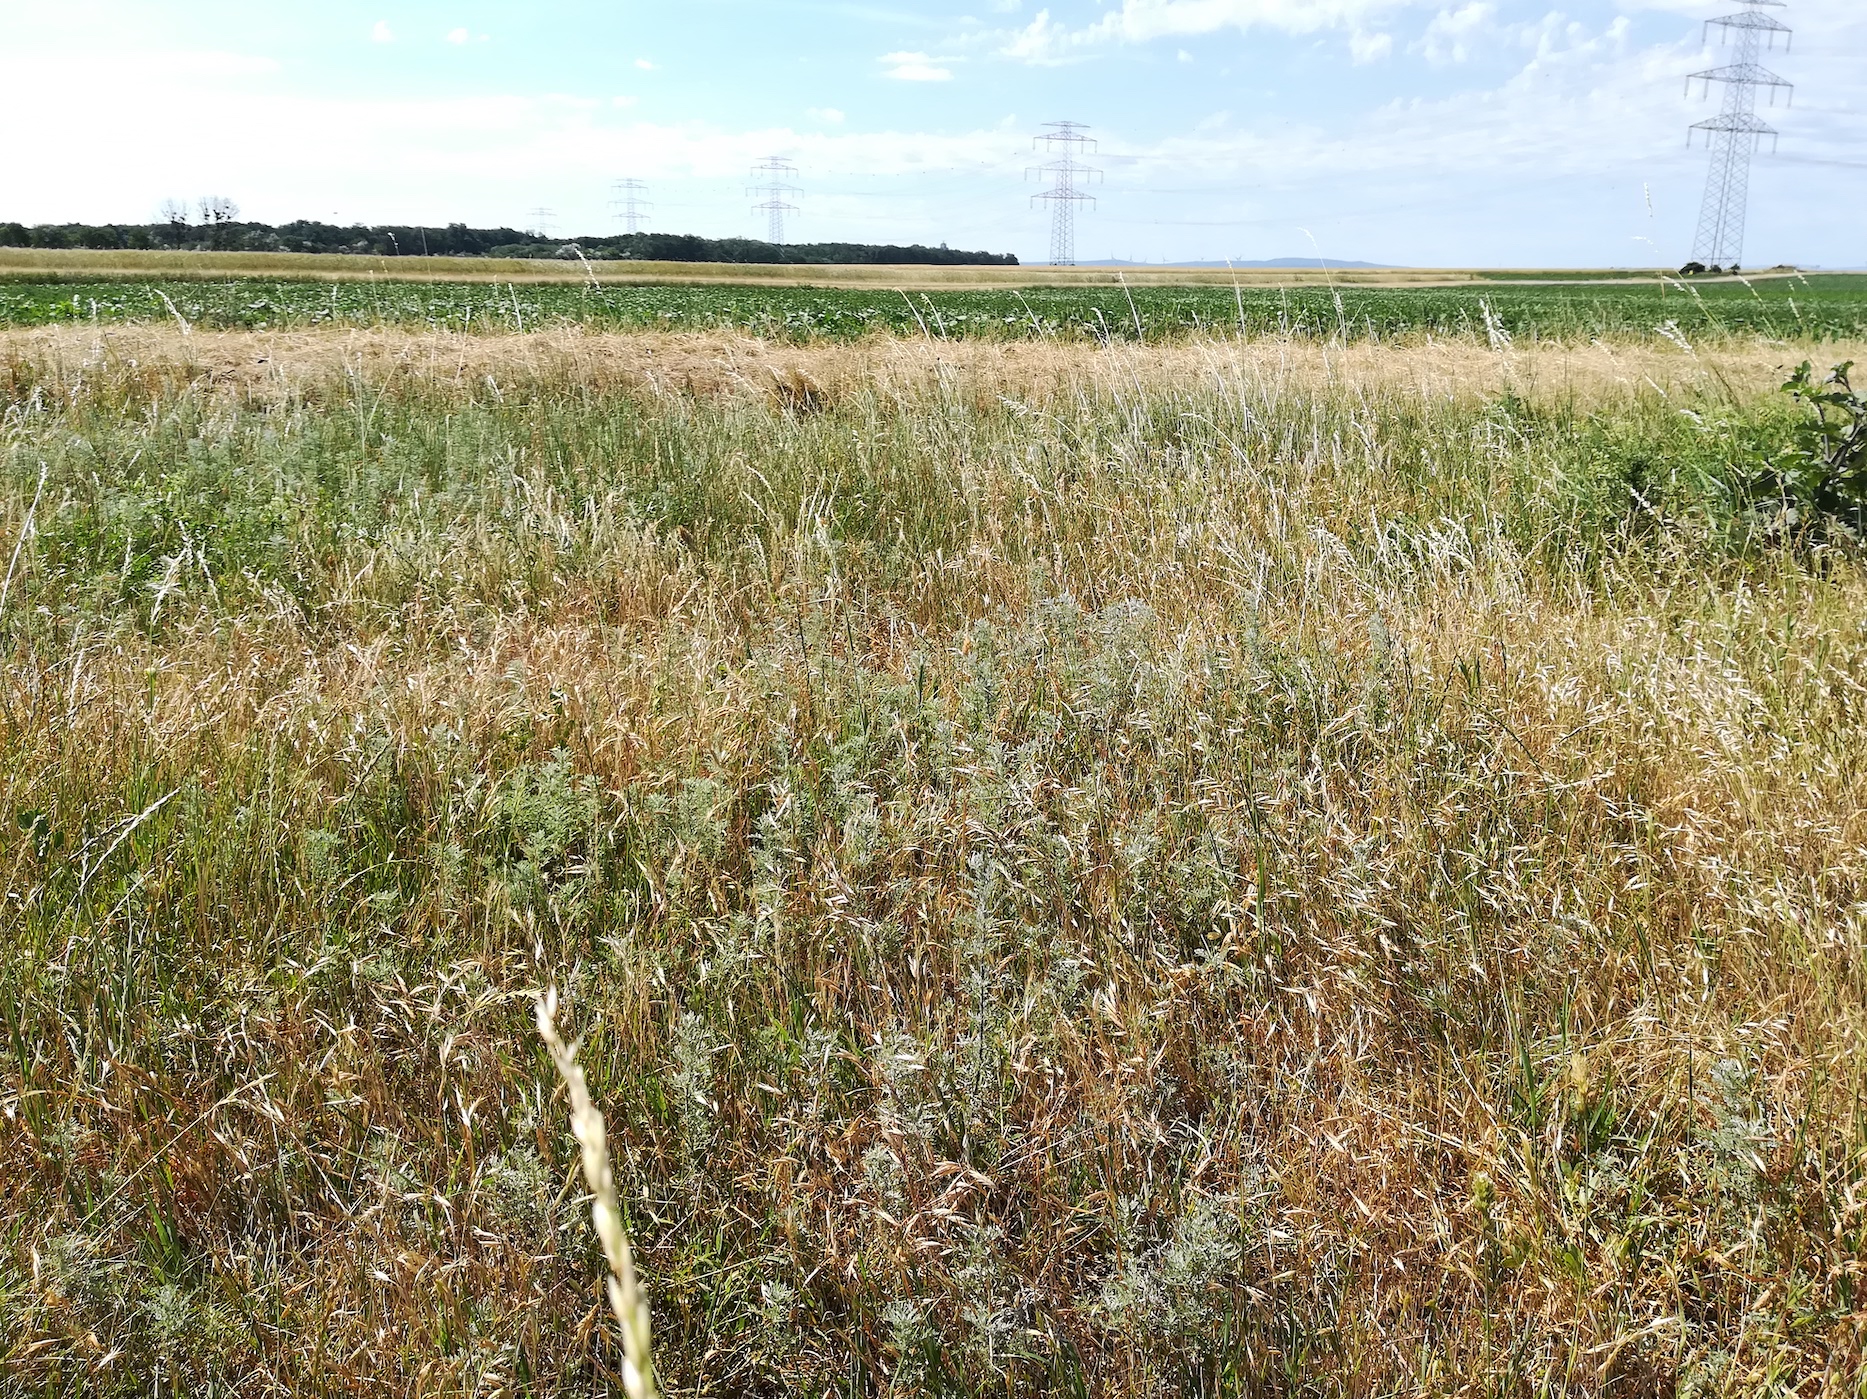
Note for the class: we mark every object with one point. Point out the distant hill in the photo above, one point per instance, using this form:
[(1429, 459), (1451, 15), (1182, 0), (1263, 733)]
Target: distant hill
[(457, 240)]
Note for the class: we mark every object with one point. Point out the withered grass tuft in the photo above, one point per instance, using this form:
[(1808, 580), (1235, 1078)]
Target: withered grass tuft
[(1257, 868)]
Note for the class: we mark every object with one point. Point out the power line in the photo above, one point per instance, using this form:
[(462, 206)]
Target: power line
[(1064, 174), (773, 174), (1735, 133), (631, 209), (543, 221)]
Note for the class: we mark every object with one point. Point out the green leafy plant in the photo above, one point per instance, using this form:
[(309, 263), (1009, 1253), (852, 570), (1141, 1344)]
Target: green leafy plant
[(1816, 490)]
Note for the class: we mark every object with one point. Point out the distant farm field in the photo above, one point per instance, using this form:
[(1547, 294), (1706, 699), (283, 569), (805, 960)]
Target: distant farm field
[(1802, 308), (78, 264), (1326, 865)]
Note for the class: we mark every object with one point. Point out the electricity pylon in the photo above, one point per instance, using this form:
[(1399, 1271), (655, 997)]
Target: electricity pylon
[(543, 222), (629, 205), (772, 173), (1735, 133), (1063, 195)]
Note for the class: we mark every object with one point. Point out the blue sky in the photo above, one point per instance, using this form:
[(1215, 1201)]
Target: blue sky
[(1467, 133)]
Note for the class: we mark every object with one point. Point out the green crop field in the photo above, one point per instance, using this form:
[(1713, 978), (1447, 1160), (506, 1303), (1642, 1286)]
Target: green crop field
[(1303, 865), (1799, 307)]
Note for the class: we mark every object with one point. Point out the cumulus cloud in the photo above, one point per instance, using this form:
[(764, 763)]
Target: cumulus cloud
[(826, 114), (645, 65), (1044, 41), (382, 33), (458, 36), (1364, 47), (917, 68), (1450, 36)]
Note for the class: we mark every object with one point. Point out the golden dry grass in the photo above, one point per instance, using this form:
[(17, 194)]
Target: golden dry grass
[(283, 364), (1229, 868)]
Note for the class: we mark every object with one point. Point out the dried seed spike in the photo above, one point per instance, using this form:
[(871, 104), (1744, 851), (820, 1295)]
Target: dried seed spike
[(626, 1296)]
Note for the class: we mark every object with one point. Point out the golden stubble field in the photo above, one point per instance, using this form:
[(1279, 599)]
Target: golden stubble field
[(275, 363), (1260, 868)]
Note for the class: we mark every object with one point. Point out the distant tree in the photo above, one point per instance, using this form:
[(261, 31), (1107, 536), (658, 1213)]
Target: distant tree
[(175, 215), (222, 229), (219, 213)]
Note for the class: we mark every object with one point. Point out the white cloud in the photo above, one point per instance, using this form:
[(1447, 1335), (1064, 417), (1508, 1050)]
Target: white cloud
[(1364, 47), (211, 63), (1138, 21), (826, 114), (917, 68), (1184, 56), (382, 33), (458, 36), (1044, 41), (1449, 38), (645, 65)]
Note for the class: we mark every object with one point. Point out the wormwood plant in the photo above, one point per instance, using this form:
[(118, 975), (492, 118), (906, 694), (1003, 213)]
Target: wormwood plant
[(1816, 490)]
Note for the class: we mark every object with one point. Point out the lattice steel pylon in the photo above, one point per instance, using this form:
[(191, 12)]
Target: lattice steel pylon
[(772, 174), (1065, 174), (1734, 134), (631, 209), (544, 222)]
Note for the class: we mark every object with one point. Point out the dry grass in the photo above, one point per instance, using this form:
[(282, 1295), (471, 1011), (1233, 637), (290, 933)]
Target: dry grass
[(1254, 868), (271, 367)]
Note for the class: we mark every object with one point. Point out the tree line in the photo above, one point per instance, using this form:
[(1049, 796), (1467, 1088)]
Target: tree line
[(215, 226)]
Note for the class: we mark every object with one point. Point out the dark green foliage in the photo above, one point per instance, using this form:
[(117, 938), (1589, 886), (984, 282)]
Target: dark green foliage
[(457, 240), (1816, 489), (686, 247)]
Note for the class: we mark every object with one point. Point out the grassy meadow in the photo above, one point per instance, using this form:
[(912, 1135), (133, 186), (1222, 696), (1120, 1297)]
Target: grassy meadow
[(1293, 865)]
